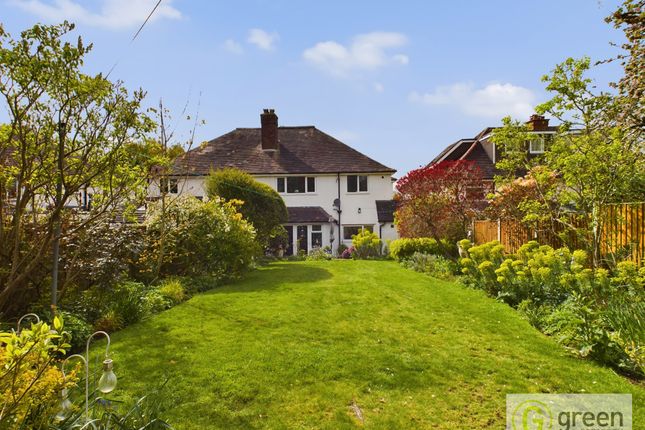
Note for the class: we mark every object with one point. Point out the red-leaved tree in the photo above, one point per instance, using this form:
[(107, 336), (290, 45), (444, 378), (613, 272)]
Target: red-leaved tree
[(439, 200)]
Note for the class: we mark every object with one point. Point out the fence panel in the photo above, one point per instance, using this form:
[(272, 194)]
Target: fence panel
[(514, 234), (622, 234), (484, 231)]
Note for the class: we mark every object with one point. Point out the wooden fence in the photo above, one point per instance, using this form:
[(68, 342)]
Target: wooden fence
[(622, 232)]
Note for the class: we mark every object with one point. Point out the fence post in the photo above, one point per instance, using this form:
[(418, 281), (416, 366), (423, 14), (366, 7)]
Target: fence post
[(499, 230)]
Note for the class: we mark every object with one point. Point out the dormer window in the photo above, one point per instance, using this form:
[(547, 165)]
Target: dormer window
[(536, 146)]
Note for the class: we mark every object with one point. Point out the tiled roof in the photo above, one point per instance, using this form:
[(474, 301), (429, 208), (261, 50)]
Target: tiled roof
[(302, 150), (385, 210), (454, 151), (473, 150), (479, 156), (307, 214)]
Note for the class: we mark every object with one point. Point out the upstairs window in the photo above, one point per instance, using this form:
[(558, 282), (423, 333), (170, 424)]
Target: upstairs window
[(296, 184), (536, 146), (168, 186), (357, 183)]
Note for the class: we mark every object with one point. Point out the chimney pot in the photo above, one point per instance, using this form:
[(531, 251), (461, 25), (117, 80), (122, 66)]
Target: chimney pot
[(269, 122)]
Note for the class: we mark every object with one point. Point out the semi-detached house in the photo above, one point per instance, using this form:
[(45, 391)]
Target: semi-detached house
[(331, 190)]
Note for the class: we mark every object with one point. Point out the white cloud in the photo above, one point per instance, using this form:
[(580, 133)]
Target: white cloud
[(495, 100), (365, 52), (262, 39), (378, 87), (233, 47), (401, 59), (113, 14)]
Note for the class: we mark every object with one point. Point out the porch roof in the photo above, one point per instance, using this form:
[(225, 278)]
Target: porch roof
[(307, 214)]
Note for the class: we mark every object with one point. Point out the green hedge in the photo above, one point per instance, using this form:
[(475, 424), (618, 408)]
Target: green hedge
[(404, 248)]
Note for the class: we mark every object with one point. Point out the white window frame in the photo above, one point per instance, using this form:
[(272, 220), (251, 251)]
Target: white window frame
[(311, 235), (169, 185), (358, 184), (286, 185), (362, 227), (540, 140)]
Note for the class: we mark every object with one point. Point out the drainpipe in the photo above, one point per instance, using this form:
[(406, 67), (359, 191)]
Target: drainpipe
[(340, 225)]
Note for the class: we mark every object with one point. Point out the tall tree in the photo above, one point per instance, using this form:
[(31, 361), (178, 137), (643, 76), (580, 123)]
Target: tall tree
[(630, 17), (597, 159), (69, 133)]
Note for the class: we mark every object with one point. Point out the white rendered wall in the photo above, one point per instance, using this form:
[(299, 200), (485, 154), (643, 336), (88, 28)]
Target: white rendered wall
[(357, 208), (379, 187)]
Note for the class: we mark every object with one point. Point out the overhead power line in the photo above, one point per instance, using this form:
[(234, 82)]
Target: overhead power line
[(154, 9), (146, 21)]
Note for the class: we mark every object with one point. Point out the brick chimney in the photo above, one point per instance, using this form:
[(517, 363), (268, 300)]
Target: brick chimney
[(269, 121), (537, 123)]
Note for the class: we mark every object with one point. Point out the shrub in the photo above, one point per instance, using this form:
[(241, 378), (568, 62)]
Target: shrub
[(366, 244), (261, 205), (197, 238), (109, 322), (102, 255), (318, 254), (79, 330), (347, 253), (433, 265), (403, 248), (155, 302), (594, 313), (341, 248), (173, 290), (128, 302), (31, 380), (110, 309), (536, 315), (199, 284), (579, 325), (536, 272)]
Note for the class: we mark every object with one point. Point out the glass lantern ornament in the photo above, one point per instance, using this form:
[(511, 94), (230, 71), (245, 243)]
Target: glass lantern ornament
[(107, 383), (65, 406)]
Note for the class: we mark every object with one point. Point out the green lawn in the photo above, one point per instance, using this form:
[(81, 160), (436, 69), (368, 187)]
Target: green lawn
[(294, 345)]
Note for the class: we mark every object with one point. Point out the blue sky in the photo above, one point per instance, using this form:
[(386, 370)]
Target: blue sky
[(396, 80)]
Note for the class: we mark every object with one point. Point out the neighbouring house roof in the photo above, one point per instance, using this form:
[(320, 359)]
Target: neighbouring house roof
[(301, 150), (470, 150), (454, 151), (385, 210), (307, 214), (473, 149), (477, 154)]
